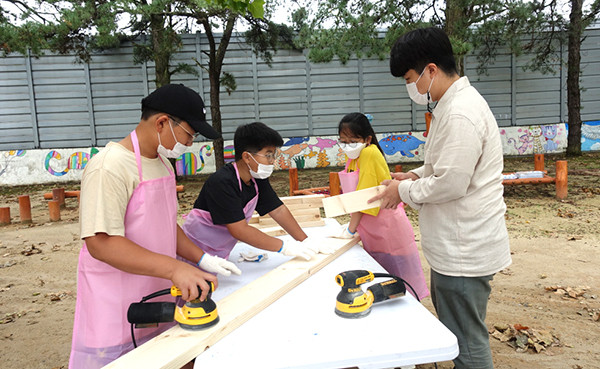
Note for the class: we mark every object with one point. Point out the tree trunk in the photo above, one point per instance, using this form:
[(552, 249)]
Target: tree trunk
[(573, 70), (453, 27), (162, 54), (215, 112)]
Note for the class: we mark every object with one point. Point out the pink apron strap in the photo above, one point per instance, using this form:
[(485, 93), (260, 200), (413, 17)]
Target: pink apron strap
[(136, 150), (138, 157), (237, 174)]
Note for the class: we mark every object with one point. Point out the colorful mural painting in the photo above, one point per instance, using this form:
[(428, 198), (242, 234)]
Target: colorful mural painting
[(229, 153), (590, 136), (534, 139), (9, 156), (77, 160), (403, 144), (187, 164), (40, 166)]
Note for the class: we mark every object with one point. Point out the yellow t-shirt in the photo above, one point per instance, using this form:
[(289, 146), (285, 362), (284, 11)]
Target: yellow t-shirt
[(373, 169)]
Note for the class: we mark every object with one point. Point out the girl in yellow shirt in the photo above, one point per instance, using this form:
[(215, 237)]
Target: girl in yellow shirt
[(386, 234)]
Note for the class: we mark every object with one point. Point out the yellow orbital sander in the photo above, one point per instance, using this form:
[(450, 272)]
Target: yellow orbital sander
[(193, 315), (353, 302)]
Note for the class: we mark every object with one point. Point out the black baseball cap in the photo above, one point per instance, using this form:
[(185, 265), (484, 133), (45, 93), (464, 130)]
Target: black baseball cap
[(183, 103)]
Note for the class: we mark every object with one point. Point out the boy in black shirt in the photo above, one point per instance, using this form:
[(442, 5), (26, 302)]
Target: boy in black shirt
[(230, 195)]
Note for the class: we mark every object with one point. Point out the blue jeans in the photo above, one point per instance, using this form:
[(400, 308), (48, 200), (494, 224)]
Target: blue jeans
[(461, 305)]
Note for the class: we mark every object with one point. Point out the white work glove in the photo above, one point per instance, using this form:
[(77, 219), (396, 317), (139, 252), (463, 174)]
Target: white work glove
[(345, 233), (215, 264), (296, 248), (318, 245)]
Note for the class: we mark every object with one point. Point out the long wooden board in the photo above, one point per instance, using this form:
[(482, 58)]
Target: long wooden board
[(351, 202), (176, 347)]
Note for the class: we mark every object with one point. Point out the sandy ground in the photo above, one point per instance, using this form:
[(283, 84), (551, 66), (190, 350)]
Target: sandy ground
[(555, 244)]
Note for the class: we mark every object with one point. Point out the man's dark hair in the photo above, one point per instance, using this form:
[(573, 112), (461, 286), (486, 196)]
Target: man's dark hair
[(253, 137), (417, 48)]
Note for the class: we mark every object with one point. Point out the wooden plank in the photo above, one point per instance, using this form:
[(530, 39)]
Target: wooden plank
[(301, 219), (351, 202), (263, 227), (294, 207), (177, 346), (308, 199)]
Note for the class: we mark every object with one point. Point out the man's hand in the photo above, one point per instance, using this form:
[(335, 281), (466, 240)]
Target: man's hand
[(401, 176), (390, 198), (215, 264)]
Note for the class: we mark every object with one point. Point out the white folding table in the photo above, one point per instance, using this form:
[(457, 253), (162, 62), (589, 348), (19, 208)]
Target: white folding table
[(301, 329)]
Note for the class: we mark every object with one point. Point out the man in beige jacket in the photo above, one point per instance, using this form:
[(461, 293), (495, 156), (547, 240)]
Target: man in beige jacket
[(458, 190)]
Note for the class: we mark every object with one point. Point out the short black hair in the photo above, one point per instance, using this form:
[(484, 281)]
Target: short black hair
[(149, 112), (359, 126), (253, 137), (417, 48)]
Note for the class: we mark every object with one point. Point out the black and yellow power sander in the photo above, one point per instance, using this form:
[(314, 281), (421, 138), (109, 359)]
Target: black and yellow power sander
[(193, 315), (353, 302)]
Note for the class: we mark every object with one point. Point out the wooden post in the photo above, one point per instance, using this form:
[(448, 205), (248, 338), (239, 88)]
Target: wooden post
[(58, 195), (398, 168), (25, 208), (538, 162), (293, 173), (4, 216), (561, 179), (428, 117), (334, 184), (54, 209)]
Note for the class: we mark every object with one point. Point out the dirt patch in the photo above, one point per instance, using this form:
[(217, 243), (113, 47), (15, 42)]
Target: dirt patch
[(551, 287)]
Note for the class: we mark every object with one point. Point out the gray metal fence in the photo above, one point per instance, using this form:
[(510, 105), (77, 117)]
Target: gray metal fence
[(52, 102)]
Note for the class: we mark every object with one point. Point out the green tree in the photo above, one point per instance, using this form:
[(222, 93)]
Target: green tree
[(541, 35), (154, 27), (342, 28)]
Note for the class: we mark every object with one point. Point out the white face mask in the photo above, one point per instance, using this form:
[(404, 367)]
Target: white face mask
[(177, 150), (415, 95), (353, 150), (264, 171)]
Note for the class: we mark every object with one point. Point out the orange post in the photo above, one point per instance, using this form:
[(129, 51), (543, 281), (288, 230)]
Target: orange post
[(561, 179), (428, 117), (293, 174), (25, 208), (4, 216), (538, 162), (54, 208), (398, 168), (58, 195), (334, 184)]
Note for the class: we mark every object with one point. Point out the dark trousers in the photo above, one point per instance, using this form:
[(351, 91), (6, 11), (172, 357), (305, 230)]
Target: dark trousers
[(461, 305)]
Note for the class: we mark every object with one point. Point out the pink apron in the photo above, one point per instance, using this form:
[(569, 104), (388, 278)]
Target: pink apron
[(389, 239), (215, 239), (101, 332)]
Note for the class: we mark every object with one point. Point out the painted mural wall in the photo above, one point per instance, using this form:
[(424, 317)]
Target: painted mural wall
[(20, 167)]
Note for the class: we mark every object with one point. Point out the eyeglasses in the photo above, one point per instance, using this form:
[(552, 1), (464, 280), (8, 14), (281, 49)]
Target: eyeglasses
[(271, 157), (349, 145), (178, 123)]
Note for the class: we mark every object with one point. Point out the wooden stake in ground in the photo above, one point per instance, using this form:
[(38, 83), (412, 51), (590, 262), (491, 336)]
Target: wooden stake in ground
[(54, 209), (4, 216), (351, 202), (25, 209), (177, 346)]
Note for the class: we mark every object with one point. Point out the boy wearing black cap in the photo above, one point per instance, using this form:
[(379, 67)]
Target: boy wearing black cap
[(128, 220)]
